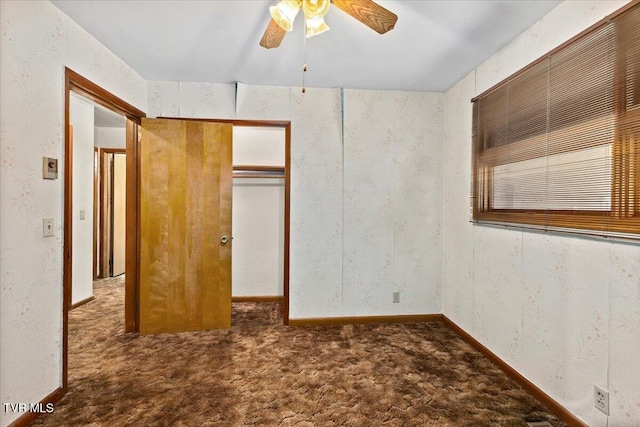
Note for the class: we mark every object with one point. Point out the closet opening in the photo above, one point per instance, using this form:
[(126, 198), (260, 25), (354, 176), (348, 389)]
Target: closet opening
[(259, 208)]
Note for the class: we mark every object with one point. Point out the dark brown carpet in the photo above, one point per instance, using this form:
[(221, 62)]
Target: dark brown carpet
[(260, 373)]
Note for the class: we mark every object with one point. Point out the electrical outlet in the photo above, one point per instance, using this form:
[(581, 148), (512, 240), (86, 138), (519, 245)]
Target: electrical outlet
[(601, 399), (396, 296)]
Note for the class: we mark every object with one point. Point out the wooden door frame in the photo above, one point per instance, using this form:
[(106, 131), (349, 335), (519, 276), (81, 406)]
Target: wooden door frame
[(97, 271), (112, 153), (74, 82), (103, 235), (286, 125)]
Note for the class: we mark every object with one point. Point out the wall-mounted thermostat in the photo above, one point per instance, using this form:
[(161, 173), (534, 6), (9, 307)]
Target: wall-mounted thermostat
[(49, 168)]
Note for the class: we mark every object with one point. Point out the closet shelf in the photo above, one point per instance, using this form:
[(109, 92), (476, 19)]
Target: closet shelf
[(258, 171)]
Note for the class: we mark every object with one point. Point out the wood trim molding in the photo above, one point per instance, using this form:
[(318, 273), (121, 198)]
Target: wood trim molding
[(132, 243), (329, 321), (265, 298), (88, 89), (287, 220), (96, 204), (83, 302), (114, 150), (28, 417), (236, 122), (67, 244), (534, 390), (103, 256)]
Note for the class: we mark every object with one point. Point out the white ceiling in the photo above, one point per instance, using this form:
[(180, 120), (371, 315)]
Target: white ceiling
[(434, 43)]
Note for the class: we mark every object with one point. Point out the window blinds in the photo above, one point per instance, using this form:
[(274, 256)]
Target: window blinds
[(557, 145)]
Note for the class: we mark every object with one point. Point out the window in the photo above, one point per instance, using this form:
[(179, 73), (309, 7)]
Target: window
[(557, 145)]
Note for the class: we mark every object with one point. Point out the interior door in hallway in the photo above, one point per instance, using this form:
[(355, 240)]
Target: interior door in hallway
[(118, 213), (185, 225)]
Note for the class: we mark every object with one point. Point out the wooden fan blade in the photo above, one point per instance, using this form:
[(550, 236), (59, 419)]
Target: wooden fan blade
[(369, 13), (273, 36)]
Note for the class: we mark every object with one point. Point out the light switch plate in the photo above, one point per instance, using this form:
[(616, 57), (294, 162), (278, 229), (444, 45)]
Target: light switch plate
[(47, 227)]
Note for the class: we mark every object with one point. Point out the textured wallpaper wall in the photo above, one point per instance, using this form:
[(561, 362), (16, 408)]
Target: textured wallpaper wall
[(36, 43), (366, 194), (184, 99), (563, 311), (392, 231)]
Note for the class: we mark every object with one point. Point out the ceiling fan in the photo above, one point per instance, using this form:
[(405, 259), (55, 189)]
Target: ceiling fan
[(368, 12)]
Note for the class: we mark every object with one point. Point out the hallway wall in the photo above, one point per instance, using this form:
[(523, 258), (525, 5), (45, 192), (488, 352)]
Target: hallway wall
[(36, 43), (81, 118)]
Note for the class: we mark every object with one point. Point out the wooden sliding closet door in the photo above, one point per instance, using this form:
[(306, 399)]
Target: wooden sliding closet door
[(185, 241)]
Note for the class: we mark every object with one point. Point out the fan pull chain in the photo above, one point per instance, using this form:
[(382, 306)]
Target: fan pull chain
[(304, 49), (304, 70)]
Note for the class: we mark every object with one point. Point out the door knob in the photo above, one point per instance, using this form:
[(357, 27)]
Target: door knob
[(224, 239)]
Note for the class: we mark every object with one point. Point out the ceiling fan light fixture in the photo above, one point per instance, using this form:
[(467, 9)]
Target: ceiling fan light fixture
[(284, 13), (314, 12), (368, 12), (315, 25)]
